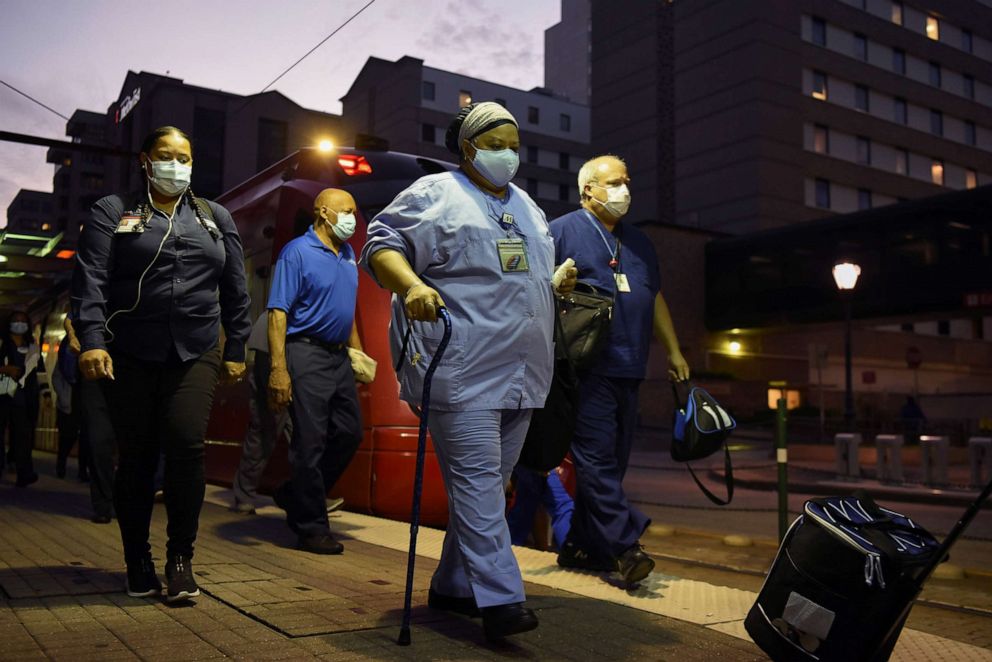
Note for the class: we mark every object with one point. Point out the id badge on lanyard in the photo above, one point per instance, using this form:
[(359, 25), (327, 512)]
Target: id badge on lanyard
[(130, 224)]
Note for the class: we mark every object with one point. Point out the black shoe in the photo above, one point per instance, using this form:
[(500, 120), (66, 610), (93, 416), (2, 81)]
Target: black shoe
[(179, 579), (60, 468), (463, 606), (101, 519), (142, 580), (320, 544), (283, 500), (504, 620), (24, 482), (573, 556), (634, 565)]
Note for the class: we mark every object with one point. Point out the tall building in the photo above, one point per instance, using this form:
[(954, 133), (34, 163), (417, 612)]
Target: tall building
[(31, 212), (79, 178), (411, 106), (567, 65)]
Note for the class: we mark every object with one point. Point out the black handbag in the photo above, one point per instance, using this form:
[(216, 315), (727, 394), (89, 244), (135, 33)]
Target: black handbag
[(699, 429), (551, 429), (585, 317)]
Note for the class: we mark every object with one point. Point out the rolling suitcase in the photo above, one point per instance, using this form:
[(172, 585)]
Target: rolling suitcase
[(844, 580)]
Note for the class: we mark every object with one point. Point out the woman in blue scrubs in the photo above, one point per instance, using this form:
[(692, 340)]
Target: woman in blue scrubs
[(478, 245)]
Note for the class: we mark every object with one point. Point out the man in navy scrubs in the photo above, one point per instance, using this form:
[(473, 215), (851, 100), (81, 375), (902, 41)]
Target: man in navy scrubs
[(310, 327), (614, 257)]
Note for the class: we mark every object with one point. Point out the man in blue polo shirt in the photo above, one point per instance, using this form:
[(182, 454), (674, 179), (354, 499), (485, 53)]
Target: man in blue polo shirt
[(311, 325), (616, 258)]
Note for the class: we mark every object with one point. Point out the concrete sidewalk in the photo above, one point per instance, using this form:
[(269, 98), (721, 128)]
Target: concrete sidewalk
[(62, 597)]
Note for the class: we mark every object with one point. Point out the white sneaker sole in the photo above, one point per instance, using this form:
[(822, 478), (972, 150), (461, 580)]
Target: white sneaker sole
[(182, 595), (146, 594)]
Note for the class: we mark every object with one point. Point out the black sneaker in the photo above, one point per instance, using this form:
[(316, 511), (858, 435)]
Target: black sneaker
[(573, 556), (320, 544), (142, 580), (180, 581), (284, 500), (634, 564)]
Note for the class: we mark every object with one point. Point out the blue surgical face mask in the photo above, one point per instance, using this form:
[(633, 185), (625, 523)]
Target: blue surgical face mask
[(170, 177), (19, 328), (345, 227), (497, 166)]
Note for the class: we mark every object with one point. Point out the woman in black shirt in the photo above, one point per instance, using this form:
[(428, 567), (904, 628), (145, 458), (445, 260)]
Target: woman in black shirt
[(157, 274), (20, 363)]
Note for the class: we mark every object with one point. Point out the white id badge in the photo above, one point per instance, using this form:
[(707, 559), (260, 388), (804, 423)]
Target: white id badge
[(622, 284), (129, 225)]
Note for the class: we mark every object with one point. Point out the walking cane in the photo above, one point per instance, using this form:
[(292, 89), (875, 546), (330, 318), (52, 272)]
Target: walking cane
[(418, 479)]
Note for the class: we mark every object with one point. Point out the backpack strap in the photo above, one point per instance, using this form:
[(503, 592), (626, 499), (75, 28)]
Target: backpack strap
[(204, 208), (728, 477)]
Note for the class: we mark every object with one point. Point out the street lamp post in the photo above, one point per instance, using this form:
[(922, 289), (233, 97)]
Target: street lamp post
[(846, 276)]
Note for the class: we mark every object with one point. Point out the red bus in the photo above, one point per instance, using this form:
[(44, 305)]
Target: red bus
[(272, 208)]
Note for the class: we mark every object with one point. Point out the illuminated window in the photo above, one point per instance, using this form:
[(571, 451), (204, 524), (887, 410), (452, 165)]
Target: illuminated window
[(933, 28), (819, 85), (823, 193), (791, 397), (821, 139), (860, 47), (45, 227), (896, 13), (864, 199), (937, 172), (902, 162), (900, 112), (935, 74), (899, 60), (464, 98), (970, 178), (969, 133), (864, 150), (819, 31), (861, 98), (968, 85)]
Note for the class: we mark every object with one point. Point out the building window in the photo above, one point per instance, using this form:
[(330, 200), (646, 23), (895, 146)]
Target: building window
[(565, 122), (533, 115), (937, 172), (819, 85), (860, 47), (864, 199), (464, 98), (935, 74), (970, 178), (936, 122), (531, 154), (864, 150), (969, 133), (532, 187), (861, 98), (819, 31), (933, 28), (45, 227), (900, 112), (899, 61), (563, 161), (902, 162), (907, 327), (966, 43), (969, 86), (821, 139), (896, 13), (427, 133), (563, 190), (823, 194), (427, 90)]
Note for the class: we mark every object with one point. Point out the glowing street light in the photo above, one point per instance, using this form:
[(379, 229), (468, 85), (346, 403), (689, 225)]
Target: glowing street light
[(325, 146), (846, 277)]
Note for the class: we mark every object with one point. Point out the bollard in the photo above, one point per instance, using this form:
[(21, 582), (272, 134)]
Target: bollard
[(846, 452), (782, 458), (980, 459), (933, 456), (889, 461)]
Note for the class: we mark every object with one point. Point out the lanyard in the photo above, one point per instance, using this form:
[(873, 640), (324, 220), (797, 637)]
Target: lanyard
[(497, 213), (614, 251)]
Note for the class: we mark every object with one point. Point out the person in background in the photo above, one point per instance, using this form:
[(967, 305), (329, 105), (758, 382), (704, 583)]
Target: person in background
[(68, 404), (532, 488), (311, 325), (618, 258), (158, 272), (19, 404)]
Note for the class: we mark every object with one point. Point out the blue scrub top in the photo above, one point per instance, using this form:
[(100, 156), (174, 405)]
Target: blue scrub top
[(579, 235), (316, 288), (500, 354)]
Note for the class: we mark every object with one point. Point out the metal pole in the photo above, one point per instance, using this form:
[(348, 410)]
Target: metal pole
[(823, 416), (782, 457), (848, 388)]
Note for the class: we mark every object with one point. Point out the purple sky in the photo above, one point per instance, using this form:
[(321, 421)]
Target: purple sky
[(73, 55)]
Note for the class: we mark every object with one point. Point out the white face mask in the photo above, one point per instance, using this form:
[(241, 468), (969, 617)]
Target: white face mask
[(345, 227), (19, 328), (497, 166), (170, 177), (617, 199)]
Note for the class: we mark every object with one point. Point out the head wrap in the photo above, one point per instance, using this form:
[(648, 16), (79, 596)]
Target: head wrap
[(473, 120)]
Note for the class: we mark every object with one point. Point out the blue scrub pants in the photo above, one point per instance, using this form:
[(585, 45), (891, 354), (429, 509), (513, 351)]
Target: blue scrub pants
[(604, 523), (477, 451), (533, 487)]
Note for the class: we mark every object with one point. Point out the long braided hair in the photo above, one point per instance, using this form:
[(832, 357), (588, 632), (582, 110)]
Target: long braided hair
[(144, 208)]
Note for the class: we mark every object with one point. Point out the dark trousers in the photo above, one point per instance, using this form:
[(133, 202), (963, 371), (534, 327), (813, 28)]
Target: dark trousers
[(604, 523), (98, 433), (265, 426), (160, 406), (14, 411), (327, 429), (71, 431)]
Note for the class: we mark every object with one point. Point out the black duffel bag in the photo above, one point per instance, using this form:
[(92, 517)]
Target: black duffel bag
[(585, 318), (551, 429)]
